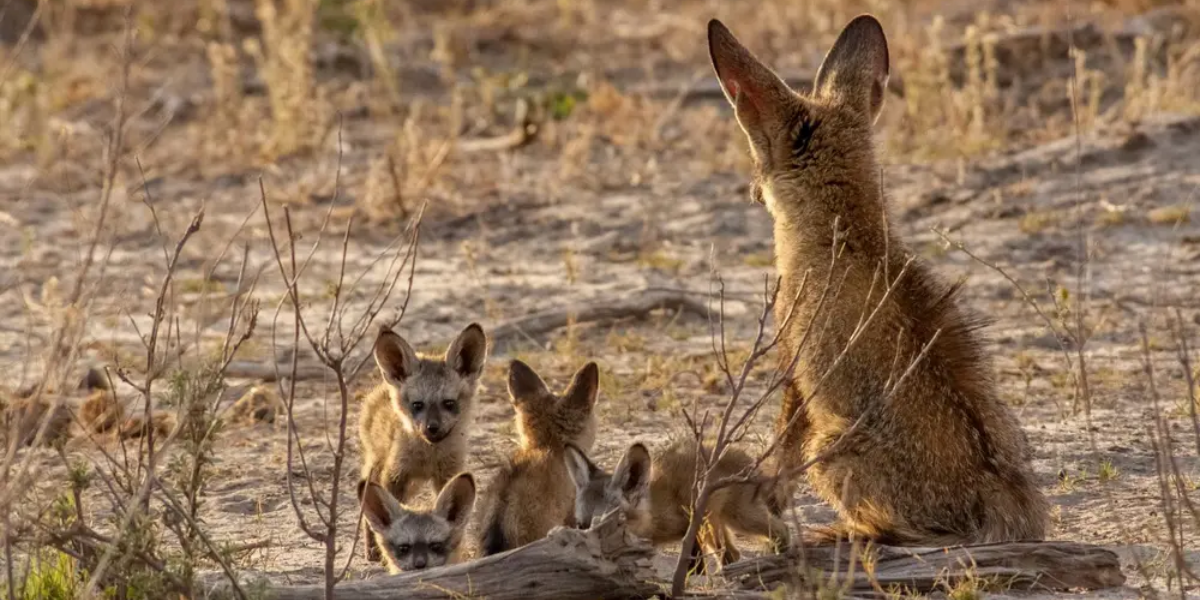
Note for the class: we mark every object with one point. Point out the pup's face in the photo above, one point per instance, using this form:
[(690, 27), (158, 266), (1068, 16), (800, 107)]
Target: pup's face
[(598, 493), (431, 396), (412, 540)]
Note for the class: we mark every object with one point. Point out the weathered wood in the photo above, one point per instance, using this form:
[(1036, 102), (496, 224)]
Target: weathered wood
[(609, 563), (1024, 53), (637, 304), (604, 563), (265, 371), (524, 130), (1016, 565), (606, 309), (731, 595), (1029, 56)]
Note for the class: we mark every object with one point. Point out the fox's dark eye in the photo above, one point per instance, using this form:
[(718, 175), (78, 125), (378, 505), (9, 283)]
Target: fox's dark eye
[(450, 404), (437, 548), (403, 549), (417, 406)]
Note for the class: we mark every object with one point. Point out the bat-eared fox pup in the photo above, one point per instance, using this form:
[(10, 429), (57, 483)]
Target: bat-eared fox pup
[(532, 493), (938, 459), (655, 496), (411, 539), (414, 427)]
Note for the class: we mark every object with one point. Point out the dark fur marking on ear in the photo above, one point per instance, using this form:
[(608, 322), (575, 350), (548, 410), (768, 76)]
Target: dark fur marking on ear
[(803, 135)]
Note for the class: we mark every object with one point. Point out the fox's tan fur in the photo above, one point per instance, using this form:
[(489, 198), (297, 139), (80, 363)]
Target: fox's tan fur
[(101, 412), (258, 405), (655, 496), (545, 420), (163, 423), (942, 461), (397, 450), (533, 493)]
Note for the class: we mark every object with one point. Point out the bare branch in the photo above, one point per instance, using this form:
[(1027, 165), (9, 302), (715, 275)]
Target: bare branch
[(332, 347), (1029, 301)]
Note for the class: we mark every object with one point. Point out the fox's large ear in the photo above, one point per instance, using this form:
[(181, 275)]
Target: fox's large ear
[(855, 71), (468, 352), (396, 359), (632, 475), (455, 500), (584, 388), (378, 506), (524, 383), (759, 97), (580, 467)]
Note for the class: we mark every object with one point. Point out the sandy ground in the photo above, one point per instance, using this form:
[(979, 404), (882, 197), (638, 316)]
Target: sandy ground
[(510, 245)]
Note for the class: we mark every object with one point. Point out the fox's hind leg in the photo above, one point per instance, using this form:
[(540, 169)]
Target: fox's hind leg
[(758, 519), (729, 552)]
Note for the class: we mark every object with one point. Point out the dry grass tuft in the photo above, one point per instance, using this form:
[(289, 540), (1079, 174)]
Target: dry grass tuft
[(110, 143), (1170, 215), (298, 114)]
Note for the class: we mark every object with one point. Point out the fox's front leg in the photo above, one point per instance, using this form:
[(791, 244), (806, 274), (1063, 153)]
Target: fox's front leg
[(710, 541), (729, 552)]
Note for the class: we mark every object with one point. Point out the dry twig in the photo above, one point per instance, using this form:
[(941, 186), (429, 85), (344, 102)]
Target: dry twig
[(335, 348)]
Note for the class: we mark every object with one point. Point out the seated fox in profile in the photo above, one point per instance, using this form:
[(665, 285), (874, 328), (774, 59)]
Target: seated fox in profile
[(414, 426), (532, 493), (656, 495), (412, 539), (937, 458)]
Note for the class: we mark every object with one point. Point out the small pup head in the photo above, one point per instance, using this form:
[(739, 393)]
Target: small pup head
[(412, 540), (432, 394), (547, 420), (597, 493)]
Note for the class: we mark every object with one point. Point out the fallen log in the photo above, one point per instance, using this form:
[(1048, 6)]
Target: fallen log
[(1026, 53), (524, 130), (637, 305), (1032, 55), (1013, 565), (609, 563), (268, 372), (607, 309), (603, 563)]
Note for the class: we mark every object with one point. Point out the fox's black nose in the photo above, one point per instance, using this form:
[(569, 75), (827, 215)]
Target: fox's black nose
[(419, 562), (432, 429)]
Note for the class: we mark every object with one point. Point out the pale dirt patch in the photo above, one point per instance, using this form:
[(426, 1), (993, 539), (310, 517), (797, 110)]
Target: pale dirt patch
[(515, 233)]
